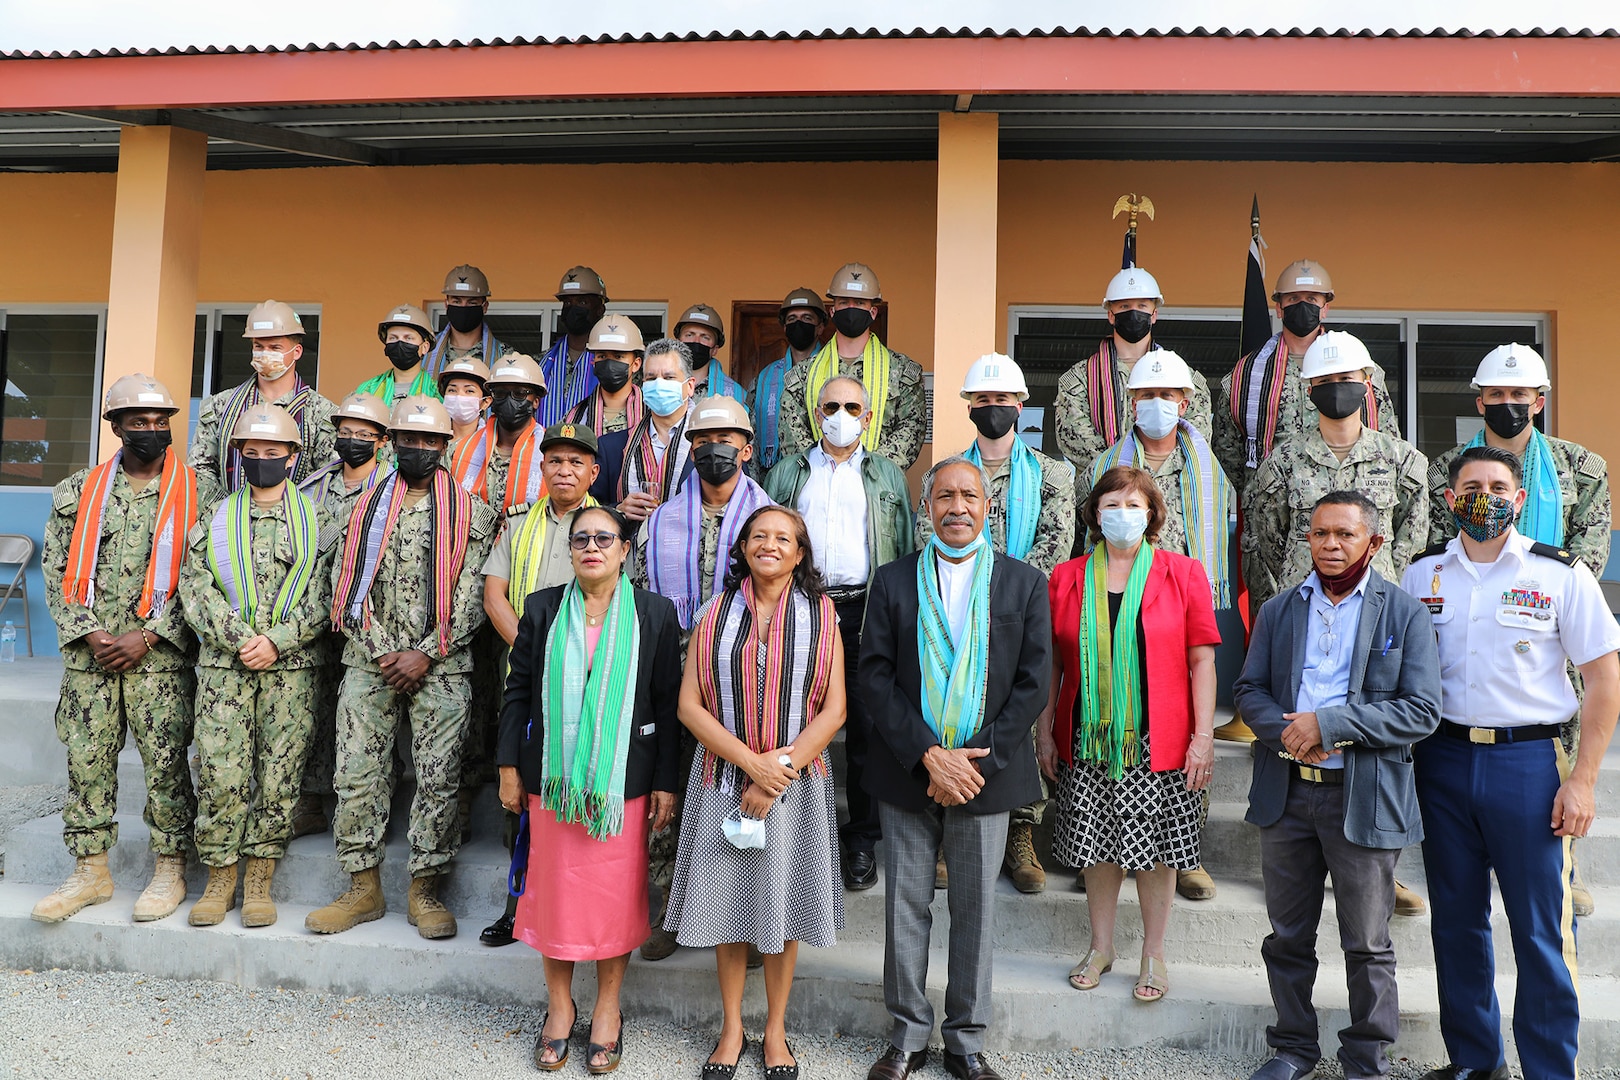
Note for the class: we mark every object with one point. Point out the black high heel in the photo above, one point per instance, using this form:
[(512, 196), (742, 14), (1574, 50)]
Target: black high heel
[(556, 1046), (614, 1051)]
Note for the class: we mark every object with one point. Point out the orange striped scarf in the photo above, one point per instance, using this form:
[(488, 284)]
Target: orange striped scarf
[(176, 514), (470, 465)]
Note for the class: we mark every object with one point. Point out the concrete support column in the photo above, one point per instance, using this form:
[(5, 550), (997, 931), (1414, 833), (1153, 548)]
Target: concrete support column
[(152, 295), (964, 268)]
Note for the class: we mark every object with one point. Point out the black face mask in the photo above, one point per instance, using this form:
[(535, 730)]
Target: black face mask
[(416, 462), (513, 413), (1337, 400), (464, 319), (715, 462), (993, 421), (1133, 325), (612, 375), (1301, 318), (147, 446), (355, 452), (800, 335), (700, 354), (1507, 419), (403, 354), (264, 472), (576, 319), (852, 321)]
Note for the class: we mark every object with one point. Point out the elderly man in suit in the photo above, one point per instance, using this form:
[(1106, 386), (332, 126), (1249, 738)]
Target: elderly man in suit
[(1342, 678), (955, 662)]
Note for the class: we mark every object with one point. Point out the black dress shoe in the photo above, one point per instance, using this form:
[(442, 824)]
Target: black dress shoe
[(860, 871), (969, 1067), (499, 932), (896, 1064), (1458, 1072)]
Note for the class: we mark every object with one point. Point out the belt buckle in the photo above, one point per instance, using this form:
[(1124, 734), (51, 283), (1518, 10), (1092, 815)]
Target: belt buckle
[(1307, 772), (1483, 736)]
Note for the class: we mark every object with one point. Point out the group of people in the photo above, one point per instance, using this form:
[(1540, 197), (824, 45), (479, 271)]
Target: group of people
[(589, 575)]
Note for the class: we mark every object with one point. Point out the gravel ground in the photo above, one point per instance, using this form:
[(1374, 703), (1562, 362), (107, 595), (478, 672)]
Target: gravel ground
[(23, 804)]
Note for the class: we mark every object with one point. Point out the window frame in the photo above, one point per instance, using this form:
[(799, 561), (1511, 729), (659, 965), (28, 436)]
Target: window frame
[(548, 310), (100, 312)]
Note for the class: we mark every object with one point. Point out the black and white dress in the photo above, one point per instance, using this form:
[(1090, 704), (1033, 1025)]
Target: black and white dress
[(1140, 820)]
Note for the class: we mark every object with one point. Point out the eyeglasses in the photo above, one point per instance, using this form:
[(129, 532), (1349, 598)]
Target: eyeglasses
[(1329, 639), (830, 408), (603, 540), (358, 436)]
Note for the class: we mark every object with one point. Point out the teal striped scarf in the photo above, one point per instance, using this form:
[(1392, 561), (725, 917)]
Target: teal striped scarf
[(954, 673), (230, 553), (1023, 496)]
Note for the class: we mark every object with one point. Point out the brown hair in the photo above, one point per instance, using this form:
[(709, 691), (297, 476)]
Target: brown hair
[(1124, 478)]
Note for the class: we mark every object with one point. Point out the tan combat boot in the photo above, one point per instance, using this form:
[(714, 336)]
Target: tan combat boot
[(1020, 861), (218, 897), (1408, 902), (362, 903), (423, 910), (1195, 884), (90, 883), (257, 907), (1580, 896), (308, 816), (165, 892)]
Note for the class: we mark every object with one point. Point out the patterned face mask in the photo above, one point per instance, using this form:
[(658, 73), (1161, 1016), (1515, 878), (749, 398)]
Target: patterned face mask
[(1482, 515)]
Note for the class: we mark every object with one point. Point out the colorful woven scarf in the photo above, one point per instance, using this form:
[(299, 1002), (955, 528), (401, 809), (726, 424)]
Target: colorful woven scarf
[(591, 412), (589, 715), (176, 514), (372, 523), (1208, 501), (570, 384), (230, 554), (1110, 679), (382, 386), (1257, 388), (488, 349), (798, 667), (641, 463), (874, 361), (1105, 392), (954, 674), (767, 405), (524, 483), (672, 543), (1023, 496), (247, 395), (718, 383), (527, 548), (1542, 518)]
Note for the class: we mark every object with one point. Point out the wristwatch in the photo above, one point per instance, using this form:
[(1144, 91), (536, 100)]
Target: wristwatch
[(786, 760)]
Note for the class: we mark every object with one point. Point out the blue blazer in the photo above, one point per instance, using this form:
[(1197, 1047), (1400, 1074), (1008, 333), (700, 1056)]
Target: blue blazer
[(1394, 702)]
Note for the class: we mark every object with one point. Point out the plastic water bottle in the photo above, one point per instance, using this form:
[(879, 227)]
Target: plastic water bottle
[(8, 643)]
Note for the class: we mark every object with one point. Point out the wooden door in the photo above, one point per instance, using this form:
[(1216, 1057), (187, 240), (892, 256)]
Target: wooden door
[(756, 336)]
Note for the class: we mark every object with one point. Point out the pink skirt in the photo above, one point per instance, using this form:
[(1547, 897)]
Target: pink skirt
[(584, 899)]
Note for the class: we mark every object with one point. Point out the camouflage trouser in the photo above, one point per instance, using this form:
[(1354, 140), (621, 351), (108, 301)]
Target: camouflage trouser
[(322, 760), (95, 709), (1032, 814), (662, 847), (253, 730), (369, 713), (488, 686)]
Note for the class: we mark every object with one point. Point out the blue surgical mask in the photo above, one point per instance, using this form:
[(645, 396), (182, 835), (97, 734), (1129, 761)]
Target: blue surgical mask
[(663, 396), (1122, 526), (1157, 416)]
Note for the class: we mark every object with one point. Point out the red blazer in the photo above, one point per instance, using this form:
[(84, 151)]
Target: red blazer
[(1177, 614)]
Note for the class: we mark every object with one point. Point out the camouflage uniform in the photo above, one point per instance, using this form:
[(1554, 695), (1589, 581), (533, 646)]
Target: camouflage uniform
[(1296, 415), (153, 699), (369, 711), (905, 418), (207, 440), (253, 727), (1173, 533), (1277, 506), (1080, 440)]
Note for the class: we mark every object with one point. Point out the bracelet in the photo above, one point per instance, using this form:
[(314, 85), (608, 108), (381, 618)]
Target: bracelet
[(146, 638), (1203, 735)]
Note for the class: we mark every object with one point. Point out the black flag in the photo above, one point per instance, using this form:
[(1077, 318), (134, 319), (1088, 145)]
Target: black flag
[(1127, 261), (1256, 310)]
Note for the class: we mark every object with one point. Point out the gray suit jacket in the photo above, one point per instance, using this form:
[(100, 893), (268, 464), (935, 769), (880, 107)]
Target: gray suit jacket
[(1394, 702)]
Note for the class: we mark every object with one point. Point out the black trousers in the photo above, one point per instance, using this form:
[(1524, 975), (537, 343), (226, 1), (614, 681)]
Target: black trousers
[(863, 831)]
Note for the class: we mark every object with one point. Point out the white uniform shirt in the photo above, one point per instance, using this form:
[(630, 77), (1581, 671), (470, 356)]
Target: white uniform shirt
[(955, 592), (1505, 629), (833, 504)]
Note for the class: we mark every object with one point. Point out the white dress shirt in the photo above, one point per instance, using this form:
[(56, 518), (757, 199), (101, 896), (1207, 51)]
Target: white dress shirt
[(833, 504), (955, 592)]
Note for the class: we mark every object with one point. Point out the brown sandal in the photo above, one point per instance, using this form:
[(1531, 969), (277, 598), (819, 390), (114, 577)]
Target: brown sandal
[(1155, 976), (1091, 968)]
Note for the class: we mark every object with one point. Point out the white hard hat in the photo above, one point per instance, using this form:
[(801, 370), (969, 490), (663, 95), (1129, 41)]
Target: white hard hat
[(992, 373), (1335, 351), (1512, 365), (1159, 369), (1133, 284)]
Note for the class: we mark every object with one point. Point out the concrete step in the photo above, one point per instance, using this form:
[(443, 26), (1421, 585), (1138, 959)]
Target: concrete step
[(835, 990)]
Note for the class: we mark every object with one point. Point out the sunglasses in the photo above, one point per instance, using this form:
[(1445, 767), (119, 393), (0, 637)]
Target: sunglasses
[(830, 408), (525, 394), (603, 540)]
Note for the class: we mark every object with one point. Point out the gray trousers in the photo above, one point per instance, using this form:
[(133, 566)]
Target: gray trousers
[(973, 846), (1304, 847)]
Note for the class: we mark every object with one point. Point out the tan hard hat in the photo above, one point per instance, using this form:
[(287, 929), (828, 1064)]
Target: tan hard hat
[(464, 367), (271, 423), (1304, 275), (582, 281), (137, 392), (719, 413), (802, 297), (273, 319), (466, 280), (515, 368), (419, 412), (616, 333), (703, 315), (855, 281), (406, 315), (367, 407)]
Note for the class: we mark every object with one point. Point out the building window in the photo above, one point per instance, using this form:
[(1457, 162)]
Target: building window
[(531, 326), (222, 358), (50, 361)]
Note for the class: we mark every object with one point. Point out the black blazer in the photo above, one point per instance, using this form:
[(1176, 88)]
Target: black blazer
[(655, 736), (890, 681), (610, 463)]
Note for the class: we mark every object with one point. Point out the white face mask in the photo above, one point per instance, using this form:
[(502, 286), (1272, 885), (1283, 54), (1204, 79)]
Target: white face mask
[(840, 429), (270, 365), (1122, 526), (1157, 416), (463, 408)]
